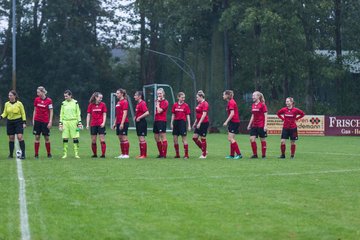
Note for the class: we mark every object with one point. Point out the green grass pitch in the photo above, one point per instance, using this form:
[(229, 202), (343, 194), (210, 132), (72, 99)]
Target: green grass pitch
[(314, 196)]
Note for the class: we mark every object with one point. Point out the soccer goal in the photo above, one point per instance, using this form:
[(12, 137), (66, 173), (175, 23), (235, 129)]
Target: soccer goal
[(131, 112), (149, 97)]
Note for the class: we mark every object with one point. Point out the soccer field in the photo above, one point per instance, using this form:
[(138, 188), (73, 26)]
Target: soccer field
[(314, 196)]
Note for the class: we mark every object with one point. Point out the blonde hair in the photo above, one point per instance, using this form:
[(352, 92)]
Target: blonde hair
[(161, 90), (229, 93), (42, 89), (261, 96), (200, 93), (291, 100)]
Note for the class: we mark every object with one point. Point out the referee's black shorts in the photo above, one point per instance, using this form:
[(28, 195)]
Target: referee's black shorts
[(14, 126)]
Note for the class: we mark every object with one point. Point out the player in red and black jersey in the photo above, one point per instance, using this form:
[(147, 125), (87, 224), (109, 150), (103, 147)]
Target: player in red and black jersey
[(258, 123), (159, 127), (233, 120), (96, 119), (289, 115), (201, 123), (180, 114), (141, 112), (42, 120), (121, 123)]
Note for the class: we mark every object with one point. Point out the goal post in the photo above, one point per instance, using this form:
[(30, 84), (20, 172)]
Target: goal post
[(149, 97), (131, 113)]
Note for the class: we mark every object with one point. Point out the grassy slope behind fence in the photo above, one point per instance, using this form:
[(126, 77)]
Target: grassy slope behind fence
[(315, 196)]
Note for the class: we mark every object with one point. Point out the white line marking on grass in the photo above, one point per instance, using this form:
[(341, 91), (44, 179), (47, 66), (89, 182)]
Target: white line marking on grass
[(24, 220)]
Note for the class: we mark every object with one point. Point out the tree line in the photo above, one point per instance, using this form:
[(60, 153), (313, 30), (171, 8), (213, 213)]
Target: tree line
[(270, 46)]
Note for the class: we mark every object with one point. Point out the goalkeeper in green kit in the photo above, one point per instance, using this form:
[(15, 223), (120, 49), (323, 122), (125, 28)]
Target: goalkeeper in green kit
[(70, 123)]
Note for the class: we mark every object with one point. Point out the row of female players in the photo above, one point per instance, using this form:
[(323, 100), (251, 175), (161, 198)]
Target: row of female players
[(70, 123)]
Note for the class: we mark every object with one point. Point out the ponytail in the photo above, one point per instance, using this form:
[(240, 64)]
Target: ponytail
[(94, 96), (140, 94), (123, 92), (261, 96)]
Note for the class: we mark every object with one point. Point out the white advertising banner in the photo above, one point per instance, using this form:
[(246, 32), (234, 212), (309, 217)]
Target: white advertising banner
[(313, 125)]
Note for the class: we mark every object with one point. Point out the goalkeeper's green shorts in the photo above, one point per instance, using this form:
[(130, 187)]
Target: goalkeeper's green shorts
[(70, 129)]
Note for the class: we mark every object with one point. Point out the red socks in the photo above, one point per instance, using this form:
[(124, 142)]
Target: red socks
[(164, 148), (103, 148), (143, 148), (36, 146), (283, 149), (263, 148), (197, 142), (126, 147), (234, 148), (186, 149), (254, 148), (159, 146), (122, 147), (48, 148), (177, 153), (203, 146), (94, 148), (293, 148)]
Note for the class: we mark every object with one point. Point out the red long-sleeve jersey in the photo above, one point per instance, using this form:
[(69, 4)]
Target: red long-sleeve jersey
[(290, 116)]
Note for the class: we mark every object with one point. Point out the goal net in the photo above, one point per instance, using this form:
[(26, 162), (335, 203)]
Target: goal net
[(149, 97)]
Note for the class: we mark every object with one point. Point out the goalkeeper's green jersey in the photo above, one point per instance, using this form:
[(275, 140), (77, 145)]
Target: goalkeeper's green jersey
[(70, 110)]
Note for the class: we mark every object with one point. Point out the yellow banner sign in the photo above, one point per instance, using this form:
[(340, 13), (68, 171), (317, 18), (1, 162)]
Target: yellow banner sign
[(313, 125)]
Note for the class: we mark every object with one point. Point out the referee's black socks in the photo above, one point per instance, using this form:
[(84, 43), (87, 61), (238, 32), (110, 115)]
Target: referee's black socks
[(22, 147)]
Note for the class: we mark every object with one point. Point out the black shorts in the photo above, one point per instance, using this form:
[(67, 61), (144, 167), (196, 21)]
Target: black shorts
[(202, 131), (141, 127), (159, 127), (123, 131), (14, 126), (291, 133), (234, 127), (41, 128), (95, 130), (258, 132), (179, 128)]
